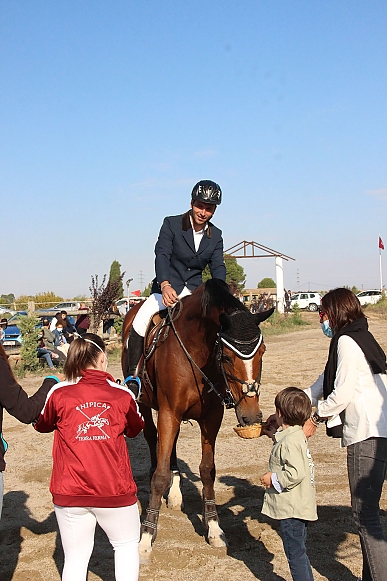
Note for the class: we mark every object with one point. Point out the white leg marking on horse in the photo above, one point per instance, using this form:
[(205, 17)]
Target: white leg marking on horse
[(249, 369), (145, 548), (175, 498), (216, 536)]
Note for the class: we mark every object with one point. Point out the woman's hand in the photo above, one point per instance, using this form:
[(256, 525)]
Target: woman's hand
[(309, 428), (169, 295), (266, 480)]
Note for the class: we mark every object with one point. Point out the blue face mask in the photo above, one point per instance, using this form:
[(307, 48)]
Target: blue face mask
[(326, 329)]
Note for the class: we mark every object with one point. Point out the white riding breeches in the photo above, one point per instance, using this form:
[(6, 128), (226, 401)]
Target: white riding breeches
[(77, 528), (152, 305)]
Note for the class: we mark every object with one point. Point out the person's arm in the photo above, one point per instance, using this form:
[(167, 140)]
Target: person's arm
[(315, 391), (16, 401), (163, 252), (347, 377), (48, 418), (135, 421), (216, 264)]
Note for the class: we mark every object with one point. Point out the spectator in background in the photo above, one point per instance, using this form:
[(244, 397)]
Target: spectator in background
[(68, 326), (48, 339), (57, 317), (110, 317), (60, 341), (287, 301), (123, 309), (83, 321)]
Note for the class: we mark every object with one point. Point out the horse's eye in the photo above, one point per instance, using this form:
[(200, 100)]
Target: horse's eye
[(226, 359)]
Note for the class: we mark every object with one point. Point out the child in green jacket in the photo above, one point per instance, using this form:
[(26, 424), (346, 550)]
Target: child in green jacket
[(290, 491)]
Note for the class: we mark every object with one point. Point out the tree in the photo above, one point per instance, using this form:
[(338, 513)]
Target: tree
[(46, 300), (7, 300), (234, 272), (115, 274), (267, 283), (147, 290), (102, 298)]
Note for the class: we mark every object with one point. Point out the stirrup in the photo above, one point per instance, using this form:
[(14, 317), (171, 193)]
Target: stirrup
[(131, 379)]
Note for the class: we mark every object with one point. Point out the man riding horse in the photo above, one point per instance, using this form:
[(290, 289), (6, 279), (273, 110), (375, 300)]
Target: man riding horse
[(186, 245)]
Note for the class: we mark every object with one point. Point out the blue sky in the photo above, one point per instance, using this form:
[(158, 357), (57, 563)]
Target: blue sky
[(110, 112)]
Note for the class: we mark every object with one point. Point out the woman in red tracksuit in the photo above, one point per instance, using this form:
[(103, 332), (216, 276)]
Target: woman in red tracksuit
[(92, 479)]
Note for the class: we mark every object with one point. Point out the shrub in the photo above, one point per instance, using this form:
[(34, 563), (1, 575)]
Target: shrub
[(30, 334)]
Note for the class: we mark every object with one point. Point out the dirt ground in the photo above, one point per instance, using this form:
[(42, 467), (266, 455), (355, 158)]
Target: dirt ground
[(29, 542)]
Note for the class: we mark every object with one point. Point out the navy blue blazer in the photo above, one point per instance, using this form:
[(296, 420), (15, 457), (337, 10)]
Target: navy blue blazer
[(177, 260)]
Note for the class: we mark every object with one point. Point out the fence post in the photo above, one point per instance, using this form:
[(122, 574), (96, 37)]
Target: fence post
[(31, 307)]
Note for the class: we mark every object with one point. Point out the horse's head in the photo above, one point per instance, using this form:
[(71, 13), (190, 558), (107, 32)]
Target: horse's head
[(240, 361)]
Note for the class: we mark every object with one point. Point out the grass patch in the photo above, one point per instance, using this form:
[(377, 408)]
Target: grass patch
[(279, 324), (379, 309)]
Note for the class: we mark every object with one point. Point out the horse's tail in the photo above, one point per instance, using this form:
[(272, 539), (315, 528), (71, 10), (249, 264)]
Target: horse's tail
[(217, 294)]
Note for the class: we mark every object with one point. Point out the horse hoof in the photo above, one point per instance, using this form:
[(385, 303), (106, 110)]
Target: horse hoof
[(175, 498), (218, 542), (145, 548), (173, 505), (145, 558), (216, 537)]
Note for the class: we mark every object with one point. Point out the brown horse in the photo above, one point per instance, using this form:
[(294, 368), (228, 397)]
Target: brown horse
[(210, 358)]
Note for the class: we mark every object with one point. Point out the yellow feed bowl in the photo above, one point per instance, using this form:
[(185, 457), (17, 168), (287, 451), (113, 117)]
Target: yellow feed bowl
[(248, 432)]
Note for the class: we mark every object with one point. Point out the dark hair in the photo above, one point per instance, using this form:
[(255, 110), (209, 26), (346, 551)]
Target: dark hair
[(63, 312), (294, 405), (45, 322), (82, 354), (342, 307), (4, 356)]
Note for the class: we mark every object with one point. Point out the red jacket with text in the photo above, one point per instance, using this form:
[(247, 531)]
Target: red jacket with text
[(91, 465)]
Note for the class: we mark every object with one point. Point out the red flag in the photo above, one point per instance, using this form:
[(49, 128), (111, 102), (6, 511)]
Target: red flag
[(137, 293), (381, 245)]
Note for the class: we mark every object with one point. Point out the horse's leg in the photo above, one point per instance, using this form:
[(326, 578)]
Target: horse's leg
[(209, 427), (150, 435), (175, 498), (168, 428)]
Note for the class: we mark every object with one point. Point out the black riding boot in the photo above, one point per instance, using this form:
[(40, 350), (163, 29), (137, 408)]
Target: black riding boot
[(135, 350)]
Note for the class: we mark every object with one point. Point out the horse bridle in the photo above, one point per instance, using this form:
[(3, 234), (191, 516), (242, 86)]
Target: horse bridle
[(248, 389)]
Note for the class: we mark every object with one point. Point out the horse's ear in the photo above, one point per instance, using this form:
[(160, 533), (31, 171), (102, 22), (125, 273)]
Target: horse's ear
[(260, 317), (225, 321)]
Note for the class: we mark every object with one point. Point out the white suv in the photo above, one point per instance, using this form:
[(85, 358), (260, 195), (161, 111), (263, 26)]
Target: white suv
[(310, 301), (370, 297)]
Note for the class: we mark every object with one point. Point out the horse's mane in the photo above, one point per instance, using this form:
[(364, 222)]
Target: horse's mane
[(217, 294)]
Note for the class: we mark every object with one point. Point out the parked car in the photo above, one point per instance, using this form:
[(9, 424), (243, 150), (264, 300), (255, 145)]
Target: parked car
[(369, 297), (310, 301), (12, 334), (69, 306), (5, 310)]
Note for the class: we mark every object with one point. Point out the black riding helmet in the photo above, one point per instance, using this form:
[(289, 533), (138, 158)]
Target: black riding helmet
[(208, 192)]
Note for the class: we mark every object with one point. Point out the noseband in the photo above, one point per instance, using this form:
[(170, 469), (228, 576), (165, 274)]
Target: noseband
[(249, 389)]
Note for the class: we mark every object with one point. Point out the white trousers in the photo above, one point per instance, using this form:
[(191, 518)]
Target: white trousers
[(77, 528), (152, 305)]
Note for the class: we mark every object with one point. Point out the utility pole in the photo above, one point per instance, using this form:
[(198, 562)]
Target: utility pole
[(141, 280)]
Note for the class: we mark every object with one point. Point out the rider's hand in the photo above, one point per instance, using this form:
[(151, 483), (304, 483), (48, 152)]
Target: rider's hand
[(169, 296)]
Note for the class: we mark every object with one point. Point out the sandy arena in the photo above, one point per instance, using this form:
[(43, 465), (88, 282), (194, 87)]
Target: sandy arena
[(30, 547)]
